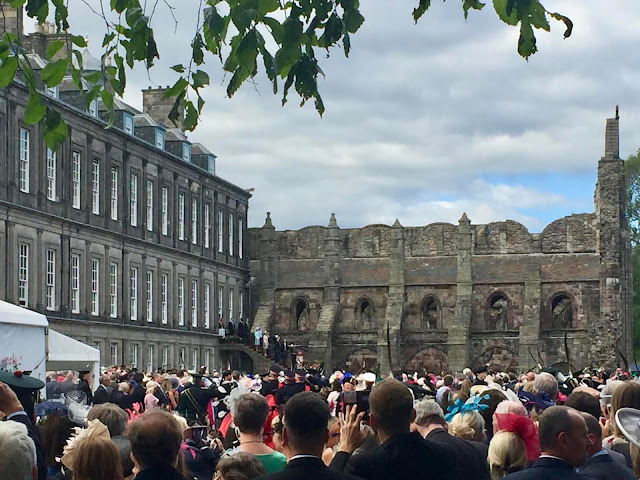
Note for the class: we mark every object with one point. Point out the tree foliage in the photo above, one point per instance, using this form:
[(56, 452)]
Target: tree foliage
[(632, 171), (280, 37)]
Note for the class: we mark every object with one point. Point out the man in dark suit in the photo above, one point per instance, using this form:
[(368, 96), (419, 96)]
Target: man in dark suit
[(471, 457), (564, 441), (304, 435), (83, 385), (104, 392), (402, 454), (12, 409), (600, 465)]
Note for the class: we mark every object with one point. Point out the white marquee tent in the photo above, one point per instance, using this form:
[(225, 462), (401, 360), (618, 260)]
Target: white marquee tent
[(26, 334)]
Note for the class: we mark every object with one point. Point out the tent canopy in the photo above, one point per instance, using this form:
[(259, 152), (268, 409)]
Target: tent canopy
[(65, 353), (10, 313)]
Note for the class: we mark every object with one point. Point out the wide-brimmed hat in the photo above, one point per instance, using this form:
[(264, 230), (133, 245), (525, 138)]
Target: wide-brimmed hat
[(20, 379), (628, 421)]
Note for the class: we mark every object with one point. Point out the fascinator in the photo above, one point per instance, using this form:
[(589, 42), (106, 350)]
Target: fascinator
[(524, 428), (473, 404), (541, 401), (95, 429)]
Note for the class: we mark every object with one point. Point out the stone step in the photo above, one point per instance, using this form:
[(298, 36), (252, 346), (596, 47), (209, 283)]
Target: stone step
[(260, 362), (264, 317)]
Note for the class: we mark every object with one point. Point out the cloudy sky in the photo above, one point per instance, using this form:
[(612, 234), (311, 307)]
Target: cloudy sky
[(423, 121)]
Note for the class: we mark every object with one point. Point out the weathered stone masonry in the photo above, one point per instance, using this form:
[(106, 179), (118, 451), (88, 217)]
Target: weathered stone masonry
[(448, 296)]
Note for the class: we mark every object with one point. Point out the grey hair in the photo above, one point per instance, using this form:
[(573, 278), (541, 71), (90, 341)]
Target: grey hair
[(428, 411), (17, 451), (545, 382)]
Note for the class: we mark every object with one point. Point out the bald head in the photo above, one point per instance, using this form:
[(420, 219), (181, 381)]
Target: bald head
[(391, 406)]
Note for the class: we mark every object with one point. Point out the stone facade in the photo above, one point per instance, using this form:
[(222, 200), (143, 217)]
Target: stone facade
[(122, 242), (442, 296)]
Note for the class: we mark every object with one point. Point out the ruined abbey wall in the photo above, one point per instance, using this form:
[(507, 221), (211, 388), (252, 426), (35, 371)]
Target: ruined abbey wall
[(443, 296)]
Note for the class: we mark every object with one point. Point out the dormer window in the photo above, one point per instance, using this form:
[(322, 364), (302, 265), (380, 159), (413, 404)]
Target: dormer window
[(127, 123), (159, 139), (186, 152), (212, 164), (93, 108), (52, 91)]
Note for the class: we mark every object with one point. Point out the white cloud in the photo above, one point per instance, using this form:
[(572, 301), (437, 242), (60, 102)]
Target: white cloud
[(423, 121)]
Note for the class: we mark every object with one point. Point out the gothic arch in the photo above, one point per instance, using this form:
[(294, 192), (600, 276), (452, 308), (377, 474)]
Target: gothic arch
[(363, 358), (497, 357), (431, 313), (497, 312), (430, 359), (560, 311), (364, 313), (300, 314)]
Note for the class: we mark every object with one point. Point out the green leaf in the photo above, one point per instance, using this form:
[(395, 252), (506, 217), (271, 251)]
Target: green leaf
[(527, 40), (38, 9), (239, 76), (270, 68), (353, 20), (420, 10), (108, 38), (200, 79), (509, 17), (178, 68), (107, 99), (469, 4), (55, 129), (8, 71), (175, 113), (34, 111), (276, 28), (53, 73), (346, 43), (267, 6), (178, 88), (196, 48), (332, 31), (79, 41), (54, 47), (191, 116), (538, 16), (568, 23), (93, 77), (247, 50)]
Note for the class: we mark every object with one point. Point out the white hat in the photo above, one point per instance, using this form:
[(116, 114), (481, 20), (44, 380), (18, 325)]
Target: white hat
[(628, 421)]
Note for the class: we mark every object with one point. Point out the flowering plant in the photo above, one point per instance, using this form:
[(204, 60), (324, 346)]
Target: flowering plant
[(10, 364)]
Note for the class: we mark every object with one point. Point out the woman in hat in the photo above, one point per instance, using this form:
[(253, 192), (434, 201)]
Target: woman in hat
[(626, 395)]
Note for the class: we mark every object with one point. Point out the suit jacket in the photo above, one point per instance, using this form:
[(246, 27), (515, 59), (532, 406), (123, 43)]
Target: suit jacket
[(34, 434), (403, 456), (546, 468), (102, 395), (603, 467), (471, 457), (307, 468)]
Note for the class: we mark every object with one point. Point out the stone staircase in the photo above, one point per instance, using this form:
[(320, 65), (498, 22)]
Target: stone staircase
[(264, 317), (320, 342), (260, 362)]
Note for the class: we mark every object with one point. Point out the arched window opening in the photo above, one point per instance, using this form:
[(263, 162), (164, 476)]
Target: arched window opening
[(364, 313), (498, 312), (300, 314), (562, 311), (430, 313)]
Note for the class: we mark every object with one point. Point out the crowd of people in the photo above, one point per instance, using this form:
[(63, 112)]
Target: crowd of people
[(303, 424)]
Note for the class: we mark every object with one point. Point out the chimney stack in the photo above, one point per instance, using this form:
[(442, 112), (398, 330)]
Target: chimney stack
[(157, 107), (11, 19)]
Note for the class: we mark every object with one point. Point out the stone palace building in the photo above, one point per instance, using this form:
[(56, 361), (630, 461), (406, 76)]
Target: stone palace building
[(124, 237), (447, 296)]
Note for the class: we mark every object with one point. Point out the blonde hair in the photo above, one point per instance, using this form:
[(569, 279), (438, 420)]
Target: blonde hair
[(467, 425), (507, 454), (97, 459), (151, 386)]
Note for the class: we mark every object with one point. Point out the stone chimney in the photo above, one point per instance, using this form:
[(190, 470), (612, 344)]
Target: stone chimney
[(45, 35), (612, 137), (157, 107), (11, 19)]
